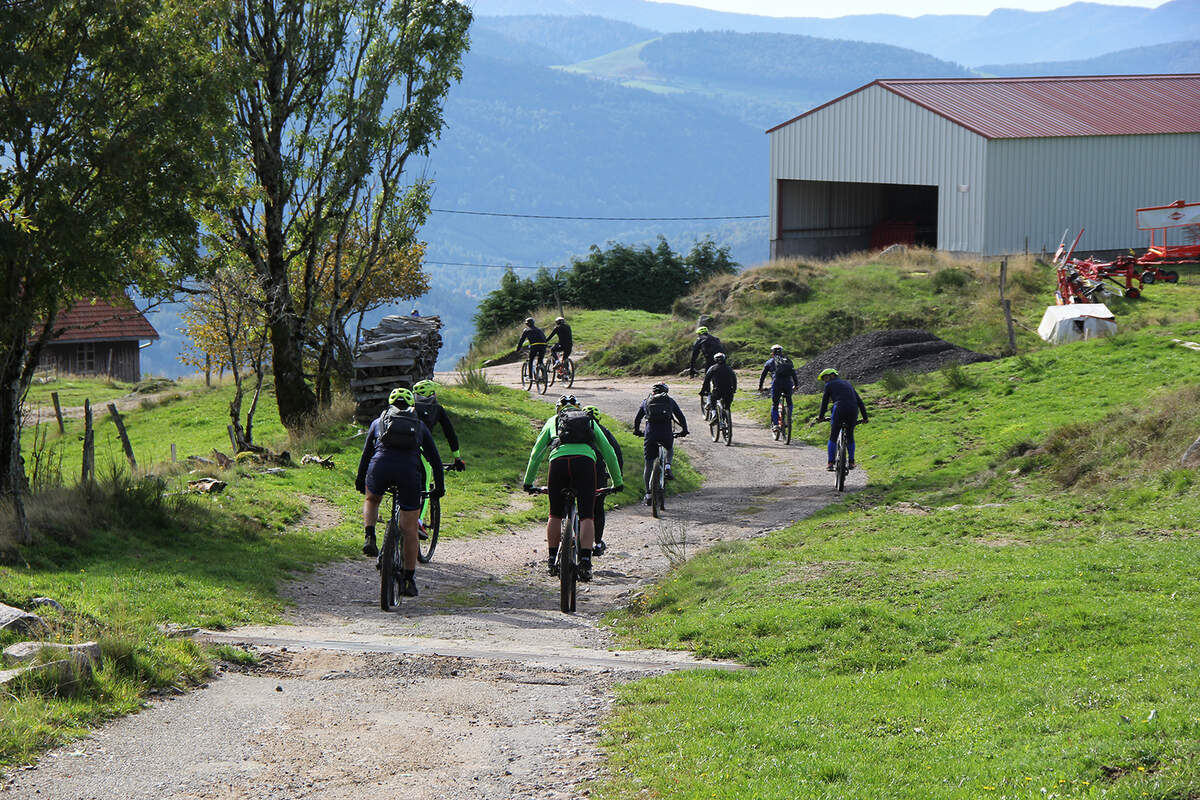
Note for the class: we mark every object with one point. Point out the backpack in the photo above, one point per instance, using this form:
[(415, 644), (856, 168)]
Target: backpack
[(426, 412), (658, 408), (783, 367), (399, 430), (572, 426)]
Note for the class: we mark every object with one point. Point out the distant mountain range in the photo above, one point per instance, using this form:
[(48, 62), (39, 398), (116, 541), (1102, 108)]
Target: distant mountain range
[(631, 117), (1003, 36)]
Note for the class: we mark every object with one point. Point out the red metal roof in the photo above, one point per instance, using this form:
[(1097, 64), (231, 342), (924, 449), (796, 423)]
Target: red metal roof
[(98, 320), (1033, 108)]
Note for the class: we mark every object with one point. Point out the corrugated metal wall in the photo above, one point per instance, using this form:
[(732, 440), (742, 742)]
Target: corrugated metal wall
[(1038, 187), (874, 136)]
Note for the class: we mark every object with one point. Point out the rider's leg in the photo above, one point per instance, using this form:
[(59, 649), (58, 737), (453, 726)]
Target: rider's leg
[(775, 395), (598, 516), (370, 517), (553, 532), (408, 527), (424, 516)]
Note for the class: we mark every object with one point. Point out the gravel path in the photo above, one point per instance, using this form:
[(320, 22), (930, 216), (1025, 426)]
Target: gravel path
[(479, 688)]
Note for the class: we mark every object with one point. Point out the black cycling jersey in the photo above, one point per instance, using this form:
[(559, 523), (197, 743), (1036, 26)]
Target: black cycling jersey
[(563, 333), (720, 381), (432, 413), (842, 393), (709, 345), (783, 374), (534, 335)]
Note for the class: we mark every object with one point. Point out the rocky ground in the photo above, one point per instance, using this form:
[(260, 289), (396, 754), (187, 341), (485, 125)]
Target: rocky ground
[(479, 688)]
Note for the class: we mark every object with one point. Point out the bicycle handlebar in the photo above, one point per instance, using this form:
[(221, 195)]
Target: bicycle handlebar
[(607, 490)]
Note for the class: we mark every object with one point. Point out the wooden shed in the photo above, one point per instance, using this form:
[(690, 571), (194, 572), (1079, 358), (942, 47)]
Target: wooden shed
[(100, 337)]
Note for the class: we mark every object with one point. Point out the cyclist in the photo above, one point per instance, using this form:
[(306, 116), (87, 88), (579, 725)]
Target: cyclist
[(784, 381), (844, 413), (431, 412), (562, 348), (659, 409), (391, 458), (573, 440), (602, 477), (707, 344), (720, 382), (537, 342)]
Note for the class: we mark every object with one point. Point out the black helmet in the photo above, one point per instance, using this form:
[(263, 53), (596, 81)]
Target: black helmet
[(719, 357), (529, 320), (659, 388)]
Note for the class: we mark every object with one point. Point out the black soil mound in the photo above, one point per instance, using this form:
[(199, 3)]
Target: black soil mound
[(864, 359)]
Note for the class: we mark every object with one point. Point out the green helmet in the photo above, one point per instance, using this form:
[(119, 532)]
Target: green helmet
[(401, 397), (425, 388), (827, 373), (592, 411), (701, 330)]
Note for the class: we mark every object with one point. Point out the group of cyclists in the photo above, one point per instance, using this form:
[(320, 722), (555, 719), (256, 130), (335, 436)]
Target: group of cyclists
[(399, 453)]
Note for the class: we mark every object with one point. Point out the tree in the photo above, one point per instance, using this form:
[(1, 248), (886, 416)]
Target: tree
[(338, 95), (110, 123), (226, 326)]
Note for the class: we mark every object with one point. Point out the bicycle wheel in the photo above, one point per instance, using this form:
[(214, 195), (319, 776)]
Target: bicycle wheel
[(656, 486), (569, 372), (541, 378), (389, 566), (728, 420), (787, 428), (526, 377), (777, 429), (568, 558), (552, 375), (714, 427), (425, 549), (840, 467)]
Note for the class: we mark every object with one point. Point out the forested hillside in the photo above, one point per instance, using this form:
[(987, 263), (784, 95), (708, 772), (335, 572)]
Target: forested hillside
[(1157, 58)]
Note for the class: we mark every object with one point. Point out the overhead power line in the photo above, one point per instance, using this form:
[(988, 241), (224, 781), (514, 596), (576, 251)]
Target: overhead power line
[(594, 219), (482, 266)]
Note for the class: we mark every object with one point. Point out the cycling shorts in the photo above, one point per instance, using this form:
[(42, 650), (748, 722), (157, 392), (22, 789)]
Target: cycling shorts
[(408, 478), (577, 473)]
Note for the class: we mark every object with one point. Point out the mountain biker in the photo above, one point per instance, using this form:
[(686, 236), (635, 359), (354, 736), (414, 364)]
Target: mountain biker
[(537, 343), (573, 440), (844, 413), (784, 381), (705, 343), (391, 458), (602, 477), (431, 412), (720, 382), (659, 409), (565, 342)]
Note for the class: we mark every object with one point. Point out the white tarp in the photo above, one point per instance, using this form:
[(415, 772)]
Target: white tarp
[(1172, 216), (1076, 322)]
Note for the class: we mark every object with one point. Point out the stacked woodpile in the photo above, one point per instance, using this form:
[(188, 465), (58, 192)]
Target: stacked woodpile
[(399, 351)]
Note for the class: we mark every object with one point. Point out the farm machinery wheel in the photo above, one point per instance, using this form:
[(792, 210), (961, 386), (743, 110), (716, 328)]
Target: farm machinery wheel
[(1170, 276)]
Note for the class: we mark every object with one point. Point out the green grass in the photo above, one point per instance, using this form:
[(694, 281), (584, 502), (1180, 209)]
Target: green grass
[(592, 329), (139, 554), (810, 307), (73, 390), (1009, 637)]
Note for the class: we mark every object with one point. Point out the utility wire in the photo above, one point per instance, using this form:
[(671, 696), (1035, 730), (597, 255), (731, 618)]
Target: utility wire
[(484, 266), (593, 219)]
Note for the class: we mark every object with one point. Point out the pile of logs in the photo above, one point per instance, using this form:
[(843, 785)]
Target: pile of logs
[(398, 352)]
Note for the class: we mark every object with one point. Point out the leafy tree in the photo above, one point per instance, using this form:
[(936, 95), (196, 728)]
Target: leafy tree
[(226, 326), (110, 124), (338, 95)]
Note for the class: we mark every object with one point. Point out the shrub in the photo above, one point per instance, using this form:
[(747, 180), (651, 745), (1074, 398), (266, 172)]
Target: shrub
[(957, 377), (894, 381), (950, 278), (474, 379)]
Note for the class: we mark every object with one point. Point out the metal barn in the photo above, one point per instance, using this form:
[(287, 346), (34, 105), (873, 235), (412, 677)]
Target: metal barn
[(984, 166)]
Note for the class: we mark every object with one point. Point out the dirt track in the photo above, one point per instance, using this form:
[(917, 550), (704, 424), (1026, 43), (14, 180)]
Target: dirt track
[(479, 688)]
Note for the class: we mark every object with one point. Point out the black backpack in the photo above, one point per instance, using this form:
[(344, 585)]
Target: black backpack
[(427, 411), (573, 426), (658, 408), (783, 367), (399, 430)]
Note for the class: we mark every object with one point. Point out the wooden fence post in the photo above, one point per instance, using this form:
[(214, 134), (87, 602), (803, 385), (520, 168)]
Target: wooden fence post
[(58, 412), (88, 476), (208, 370), (172, 452), (1006, 304), (116, 415)]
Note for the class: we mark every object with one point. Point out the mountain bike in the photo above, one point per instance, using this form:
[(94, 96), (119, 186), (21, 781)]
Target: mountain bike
[(567, 560), (426, 546), (391, 558), (783, 413), (721, 424), (841, 463), (658, 479), (535, 376), (561, 369), (706, 408)]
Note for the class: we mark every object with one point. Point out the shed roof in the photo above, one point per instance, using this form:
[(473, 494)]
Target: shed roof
[(1034, 108), (98, 320)]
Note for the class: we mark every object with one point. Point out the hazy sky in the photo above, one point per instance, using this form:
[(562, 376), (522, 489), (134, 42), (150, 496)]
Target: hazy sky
[(908, 8)]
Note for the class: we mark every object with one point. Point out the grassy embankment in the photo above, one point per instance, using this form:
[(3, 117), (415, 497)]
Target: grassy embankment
[(809, 307), (134, 557), (1010, 609)]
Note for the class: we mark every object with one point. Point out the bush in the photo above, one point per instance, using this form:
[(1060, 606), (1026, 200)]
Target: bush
[(957, 377), (950, 278), (894, 381), (474, 379)]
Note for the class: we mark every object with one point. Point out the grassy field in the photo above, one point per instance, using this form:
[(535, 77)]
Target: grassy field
[(73, 390), (591, 329), (1010, 609), (138, 554), (809, 307)]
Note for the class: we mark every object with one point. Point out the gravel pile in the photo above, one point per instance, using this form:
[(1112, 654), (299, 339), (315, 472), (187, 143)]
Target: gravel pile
[(865, 358)]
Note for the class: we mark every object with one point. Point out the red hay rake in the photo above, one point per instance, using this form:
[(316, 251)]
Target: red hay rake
[(1082, 280)]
